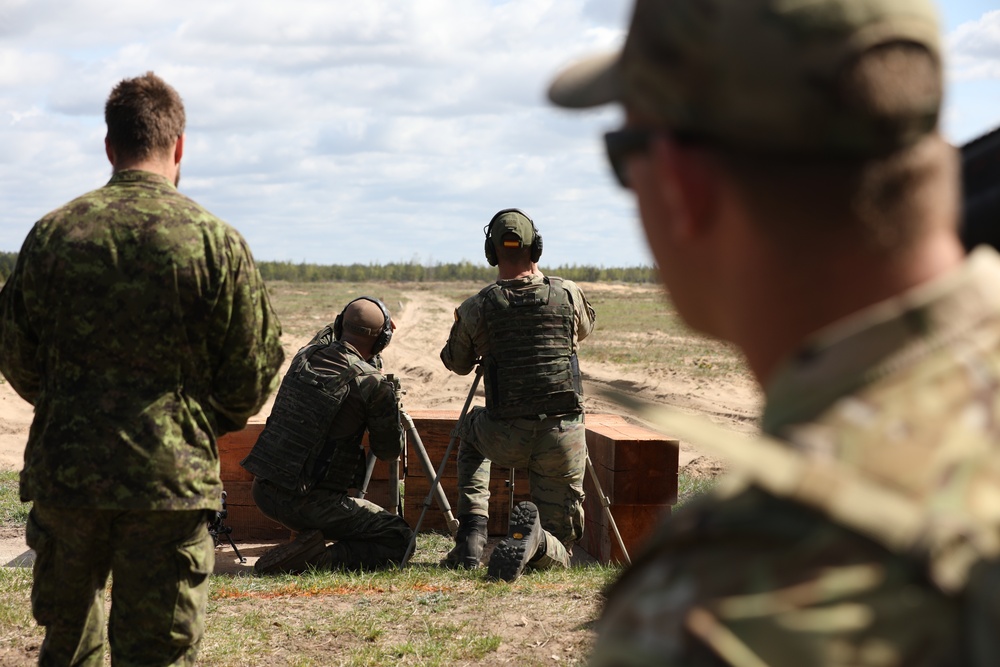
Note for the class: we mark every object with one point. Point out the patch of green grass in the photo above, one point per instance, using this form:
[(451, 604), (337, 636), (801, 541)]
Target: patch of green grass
[(12, 511), (305, 308), (422, 615), (690, 487), (640, 327), (15, 605)]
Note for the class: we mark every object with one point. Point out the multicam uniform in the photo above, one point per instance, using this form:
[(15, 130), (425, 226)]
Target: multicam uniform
[(138, 326), (526, 330), (310, 454), (869, 535)]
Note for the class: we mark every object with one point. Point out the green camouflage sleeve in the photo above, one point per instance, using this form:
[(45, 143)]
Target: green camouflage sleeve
[(586, 318), (18, 343), (467, 341), (249, 351), (385, 434), (753, 581)]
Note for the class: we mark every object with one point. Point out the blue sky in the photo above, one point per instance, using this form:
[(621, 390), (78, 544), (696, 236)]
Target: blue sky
[(338, 131)]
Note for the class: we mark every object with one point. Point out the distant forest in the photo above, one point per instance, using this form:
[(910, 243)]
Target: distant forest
[(7, 260), (412, 272)]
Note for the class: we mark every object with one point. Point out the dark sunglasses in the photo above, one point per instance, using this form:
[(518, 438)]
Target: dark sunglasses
[(619, 144)]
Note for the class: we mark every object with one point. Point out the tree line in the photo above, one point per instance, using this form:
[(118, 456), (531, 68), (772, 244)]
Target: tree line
[(453, 271), (7, 261), (412, 272)]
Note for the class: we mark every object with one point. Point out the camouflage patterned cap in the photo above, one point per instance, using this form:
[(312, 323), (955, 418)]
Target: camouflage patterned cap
[(511, 221), (760, 74)]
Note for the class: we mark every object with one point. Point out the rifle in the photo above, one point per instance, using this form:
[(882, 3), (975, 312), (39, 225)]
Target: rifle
[(981, 191)]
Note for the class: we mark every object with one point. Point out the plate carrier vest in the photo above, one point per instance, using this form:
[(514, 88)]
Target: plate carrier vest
[(530, 369), (294, 451)]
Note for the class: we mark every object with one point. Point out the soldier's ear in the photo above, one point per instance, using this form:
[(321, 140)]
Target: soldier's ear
[(179, 149), (109, 151)]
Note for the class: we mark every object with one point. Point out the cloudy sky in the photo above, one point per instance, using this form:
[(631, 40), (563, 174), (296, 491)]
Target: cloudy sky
[(339, 131)]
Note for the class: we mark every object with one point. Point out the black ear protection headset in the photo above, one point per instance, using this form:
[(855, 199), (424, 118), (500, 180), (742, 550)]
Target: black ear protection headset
[(490, 249), (384, 335)]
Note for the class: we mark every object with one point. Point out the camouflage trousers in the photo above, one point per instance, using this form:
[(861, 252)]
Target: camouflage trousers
[(159, 563), (553, 451), (368, 537)]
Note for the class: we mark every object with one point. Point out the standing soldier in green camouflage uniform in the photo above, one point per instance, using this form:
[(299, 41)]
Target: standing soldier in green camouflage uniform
[(311, 452), (138, 326), (524, 329), (802, 204)]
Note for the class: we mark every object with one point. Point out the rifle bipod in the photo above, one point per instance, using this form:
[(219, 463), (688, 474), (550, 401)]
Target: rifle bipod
[(217, 528)]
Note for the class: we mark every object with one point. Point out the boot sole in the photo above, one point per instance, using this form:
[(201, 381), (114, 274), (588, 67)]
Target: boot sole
[(512, 554)]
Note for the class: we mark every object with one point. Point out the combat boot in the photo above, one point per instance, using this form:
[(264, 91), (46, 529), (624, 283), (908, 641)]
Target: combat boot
[(470, 540), (525, 542), (293, 557)]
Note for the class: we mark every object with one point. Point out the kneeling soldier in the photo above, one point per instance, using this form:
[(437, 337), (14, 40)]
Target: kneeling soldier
[(310, 452), (526, 328)]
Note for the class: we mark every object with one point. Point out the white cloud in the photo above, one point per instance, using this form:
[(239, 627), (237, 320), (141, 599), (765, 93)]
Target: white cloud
[(328, 130), (974, 49), (973, 59)]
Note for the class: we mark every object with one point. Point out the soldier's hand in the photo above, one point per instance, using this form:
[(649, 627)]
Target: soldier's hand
[(397, 388)]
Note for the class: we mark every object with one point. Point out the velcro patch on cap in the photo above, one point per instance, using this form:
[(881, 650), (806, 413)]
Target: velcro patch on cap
[(511, 244)]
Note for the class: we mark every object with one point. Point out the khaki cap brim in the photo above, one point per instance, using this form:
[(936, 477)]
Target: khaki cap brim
[(589, 83)]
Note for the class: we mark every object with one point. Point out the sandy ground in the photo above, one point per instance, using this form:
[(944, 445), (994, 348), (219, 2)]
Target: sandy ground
[(423, 325)]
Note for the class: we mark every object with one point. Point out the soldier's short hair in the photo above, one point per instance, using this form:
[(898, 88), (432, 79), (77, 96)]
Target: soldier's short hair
[(144, 115)]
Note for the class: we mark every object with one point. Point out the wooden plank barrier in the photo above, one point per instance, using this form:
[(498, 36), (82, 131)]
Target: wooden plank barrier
[(637, 470)]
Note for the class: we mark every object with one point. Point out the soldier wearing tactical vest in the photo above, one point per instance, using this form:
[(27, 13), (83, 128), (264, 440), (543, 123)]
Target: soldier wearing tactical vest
[(524, 329), (310, 453)]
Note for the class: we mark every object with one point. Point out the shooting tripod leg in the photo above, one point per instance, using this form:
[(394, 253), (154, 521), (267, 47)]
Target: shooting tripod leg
[(425, 461), (393, 507), (444, 460), (369, 469), (606, 503)]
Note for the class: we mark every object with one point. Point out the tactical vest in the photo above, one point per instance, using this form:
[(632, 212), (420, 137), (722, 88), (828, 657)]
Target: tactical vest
[(294, 451), (530, 369)]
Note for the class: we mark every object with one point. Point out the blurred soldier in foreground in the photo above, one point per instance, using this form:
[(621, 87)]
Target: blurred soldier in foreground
[(138, 326), (310, 452), (525, 328), (801, 203)]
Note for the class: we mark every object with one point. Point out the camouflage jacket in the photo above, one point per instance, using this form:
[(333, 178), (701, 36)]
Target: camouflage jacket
[(869, 533), (138, 326), (469, 340)]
